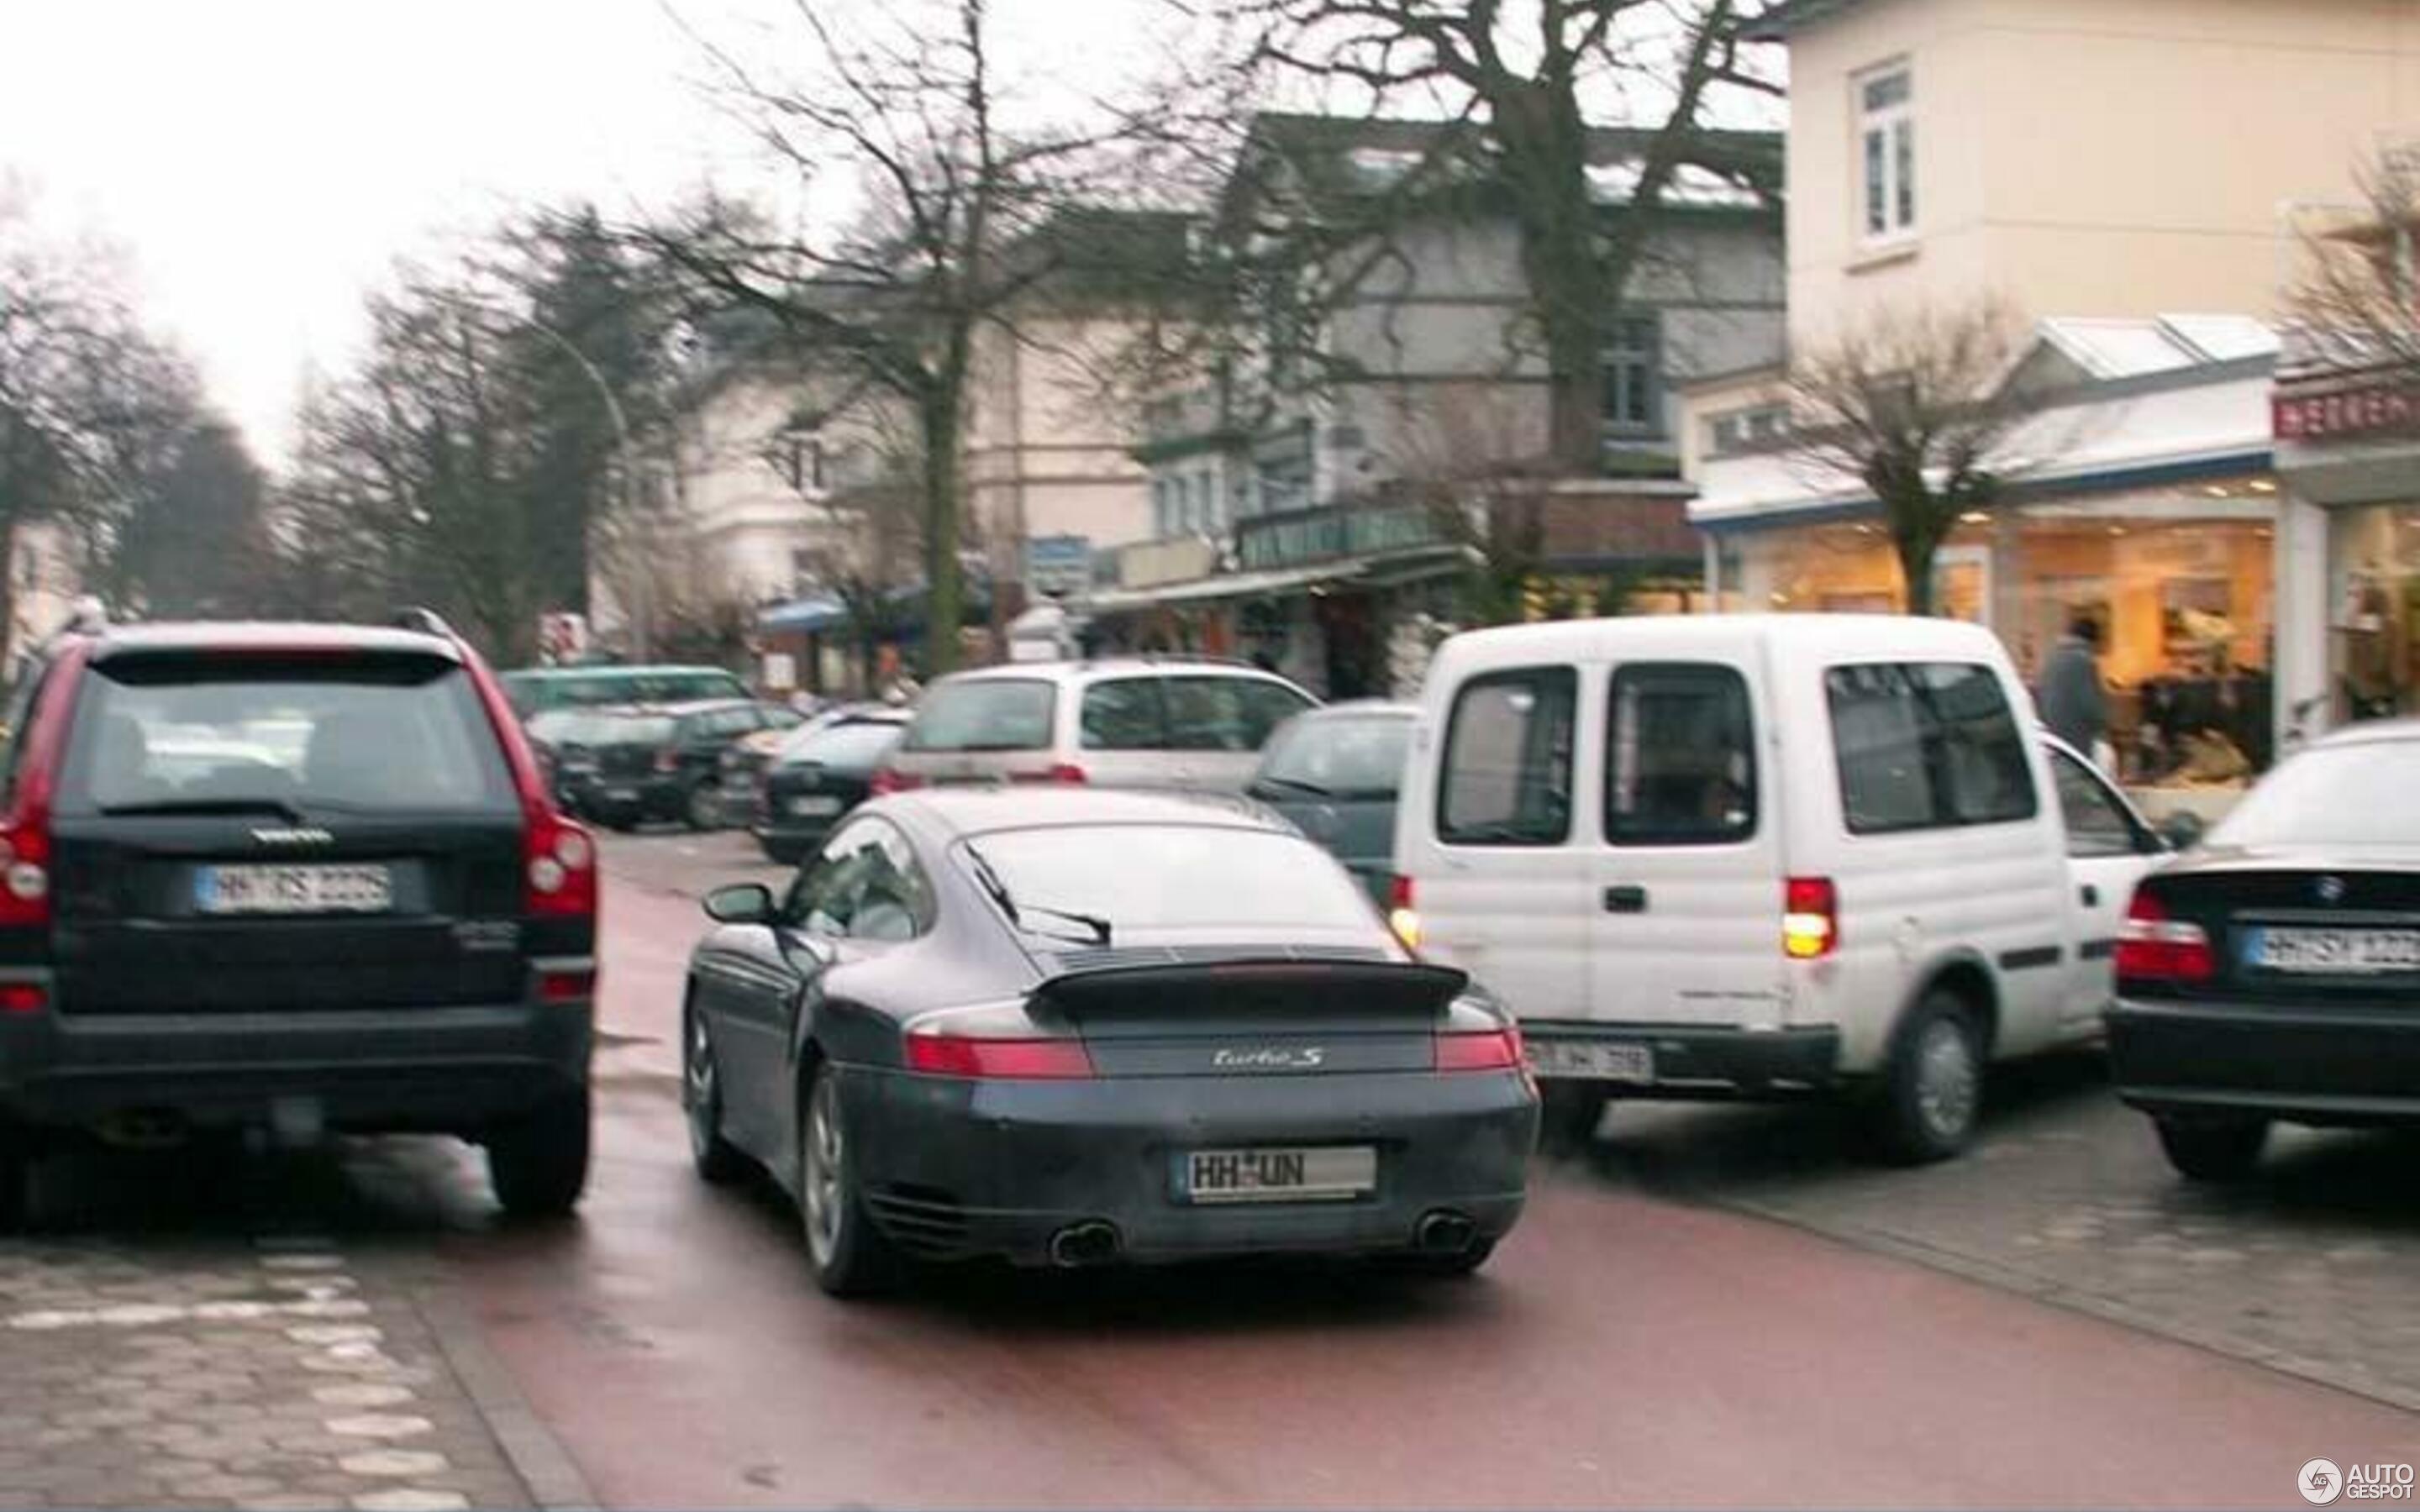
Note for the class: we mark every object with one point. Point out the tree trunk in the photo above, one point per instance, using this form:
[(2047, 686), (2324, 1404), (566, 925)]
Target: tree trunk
[(1917, 549), (1546, 149), (942, 420)]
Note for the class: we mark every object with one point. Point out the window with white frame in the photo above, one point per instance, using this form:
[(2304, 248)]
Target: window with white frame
[(1886, 150), (1740, 430), (1633, 355)]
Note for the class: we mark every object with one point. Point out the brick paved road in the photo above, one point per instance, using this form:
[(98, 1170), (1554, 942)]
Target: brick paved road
[(2313, 1267), (167, 1340)]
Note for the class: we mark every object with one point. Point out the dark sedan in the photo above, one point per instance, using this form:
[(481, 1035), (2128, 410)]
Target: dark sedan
[(1335, 772), (2271, 974), (815, 782), (658, 762), (1073, 1028)]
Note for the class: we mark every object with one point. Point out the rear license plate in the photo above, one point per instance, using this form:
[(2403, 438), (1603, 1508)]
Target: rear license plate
[(622, 794), (1337, 1174), (293, 889), (814, 808), (2342, 952), (1593, 1061)]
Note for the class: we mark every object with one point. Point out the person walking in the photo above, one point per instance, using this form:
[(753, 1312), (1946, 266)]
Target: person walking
[(2072, 702)]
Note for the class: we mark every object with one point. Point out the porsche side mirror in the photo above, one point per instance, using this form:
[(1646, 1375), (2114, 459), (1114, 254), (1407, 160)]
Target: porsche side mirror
[(743, 903)]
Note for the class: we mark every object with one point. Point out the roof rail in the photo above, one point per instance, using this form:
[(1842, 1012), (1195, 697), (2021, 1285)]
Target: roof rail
[(426, 620)]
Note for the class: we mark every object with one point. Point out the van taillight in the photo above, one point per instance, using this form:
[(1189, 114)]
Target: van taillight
[(1403, 911), (1811, 918), (2154, 947)]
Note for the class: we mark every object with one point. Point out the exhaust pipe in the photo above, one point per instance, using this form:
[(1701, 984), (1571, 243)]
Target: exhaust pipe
[(1086, 1244), (1443, 1232)]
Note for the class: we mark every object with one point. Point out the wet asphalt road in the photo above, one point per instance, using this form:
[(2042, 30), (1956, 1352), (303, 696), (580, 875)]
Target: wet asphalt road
[(1638, 1341)]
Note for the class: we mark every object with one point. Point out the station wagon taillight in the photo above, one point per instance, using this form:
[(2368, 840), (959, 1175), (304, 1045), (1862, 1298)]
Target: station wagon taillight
[(558, 866), (1811, 918), (26, 830), (892, 780), (2154, 947)]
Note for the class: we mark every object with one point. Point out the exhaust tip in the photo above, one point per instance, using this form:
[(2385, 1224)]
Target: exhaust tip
[(1086, 1244), (1445, 1232)]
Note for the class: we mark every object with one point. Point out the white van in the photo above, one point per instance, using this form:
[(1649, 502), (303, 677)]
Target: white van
[(1763, 856)]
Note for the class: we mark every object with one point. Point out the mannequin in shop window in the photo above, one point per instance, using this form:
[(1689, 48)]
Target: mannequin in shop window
[(2369, 684)]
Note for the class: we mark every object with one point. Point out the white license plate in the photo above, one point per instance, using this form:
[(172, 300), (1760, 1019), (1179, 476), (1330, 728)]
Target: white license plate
[(293, 889), (1593, 1060), (621, 794), (1335, 1174), (2344, 952), (814, 808)]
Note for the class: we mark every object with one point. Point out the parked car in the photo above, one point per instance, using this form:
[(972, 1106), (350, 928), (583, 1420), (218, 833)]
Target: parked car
[(382, 925), (1764, 856), (1071, 1029), (648, 762), (1187, 724), (552, 732), (1335, 772), (533, 689), (744, 760), (817, 781), (2271, 973)]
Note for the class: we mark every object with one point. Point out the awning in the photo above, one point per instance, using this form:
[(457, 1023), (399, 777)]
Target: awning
[(1226, 585)]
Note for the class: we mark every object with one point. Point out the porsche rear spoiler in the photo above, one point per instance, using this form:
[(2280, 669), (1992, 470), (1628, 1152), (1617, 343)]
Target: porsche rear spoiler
[(1293, 991)]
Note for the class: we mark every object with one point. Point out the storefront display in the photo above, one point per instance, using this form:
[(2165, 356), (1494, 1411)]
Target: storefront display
[(2374, 629), (2179, 586)]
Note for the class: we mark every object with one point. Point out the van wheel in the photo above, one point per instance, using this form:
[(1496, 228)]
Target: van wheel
[(2214, 1150), (1932, 1091), (539, 1163), (1568, 1116)]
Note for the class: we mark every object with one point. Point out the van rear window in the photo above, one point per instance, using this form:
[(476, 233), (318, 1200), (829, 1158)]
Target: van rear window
[(302, 736), (1507, 779)]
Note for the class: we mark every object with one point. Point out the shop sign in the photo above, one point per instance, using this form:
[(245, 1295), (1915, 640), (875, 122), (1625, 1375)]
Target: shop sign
[(1057, 565), (1323, 535), (2312, 417)]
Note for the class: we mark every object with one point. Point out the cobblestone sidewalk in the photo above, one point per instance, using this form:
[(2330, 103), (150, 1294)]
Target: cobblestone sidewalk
[(275, 1374)]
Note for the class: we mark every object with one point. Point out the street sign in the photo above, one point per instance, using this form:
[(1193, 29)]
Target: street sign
[(1057, 565)]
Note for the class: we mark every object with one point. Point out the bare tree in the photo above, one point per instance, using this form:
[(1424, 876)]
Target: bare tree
[(903, 111), (1917, 407), (2358, 303), (1470, 460), (1513, 89)]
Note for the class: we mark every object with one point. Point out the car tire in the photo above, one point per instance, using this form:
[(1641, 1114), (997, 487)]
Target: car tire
[(538, 1164), (1568, 1116), (717, 1161), (702, 807), (1932, 1088), (2213, 1149), (847, 1254), (16, 1182)]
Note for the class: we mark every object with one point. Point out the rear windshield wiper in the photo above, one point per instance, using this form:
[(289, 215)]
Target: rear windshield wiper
[(1098, 927), (1313, 789), (278, 807)]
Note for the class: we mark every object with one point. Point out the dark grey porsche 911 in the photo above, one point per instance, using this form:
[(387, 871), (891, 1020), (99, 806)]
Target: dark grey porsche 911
[(1073, 1028)]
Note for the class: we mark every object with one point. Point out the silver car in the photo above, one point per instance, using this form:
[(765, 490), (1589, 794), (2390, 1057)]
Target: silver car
[(1144, 723)]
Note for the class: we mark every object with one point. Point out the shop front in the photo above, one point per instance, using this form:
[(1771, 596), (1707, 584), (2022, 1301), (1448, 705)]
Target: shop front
[(2177, 582), (2348, 451)]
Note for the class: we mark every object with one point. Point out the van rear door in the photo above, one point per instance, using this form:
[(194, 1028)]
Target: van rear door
[(1684, 920)]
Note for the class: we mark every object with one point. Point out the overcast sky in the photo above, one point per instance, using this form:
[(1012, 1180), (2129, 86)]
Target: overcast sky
[(266, 162)]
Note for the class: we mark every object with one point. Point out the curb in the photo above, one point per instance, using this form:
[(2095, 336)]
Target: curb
[(537, 1456)]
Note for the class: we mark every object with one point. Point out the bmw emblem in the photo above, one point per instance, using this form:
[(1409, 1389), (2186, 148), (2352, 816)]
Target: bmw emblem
[(2331, 889)]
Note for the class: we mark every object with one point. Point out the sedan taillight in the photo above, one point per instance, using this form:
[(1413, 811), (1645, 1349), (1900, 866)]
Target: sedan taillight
[(2154, 947)]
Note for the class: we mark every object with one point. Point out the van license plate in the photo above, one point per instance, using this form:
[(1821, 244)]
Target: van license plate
[(1337, 1174), (293, 889), (2343, 952), (1593, 1061)]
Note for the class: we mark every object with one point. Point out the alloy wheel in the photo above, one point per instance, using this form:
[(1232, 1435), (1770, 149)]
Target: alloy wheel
[(820, 1158), (1947, 1078)]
